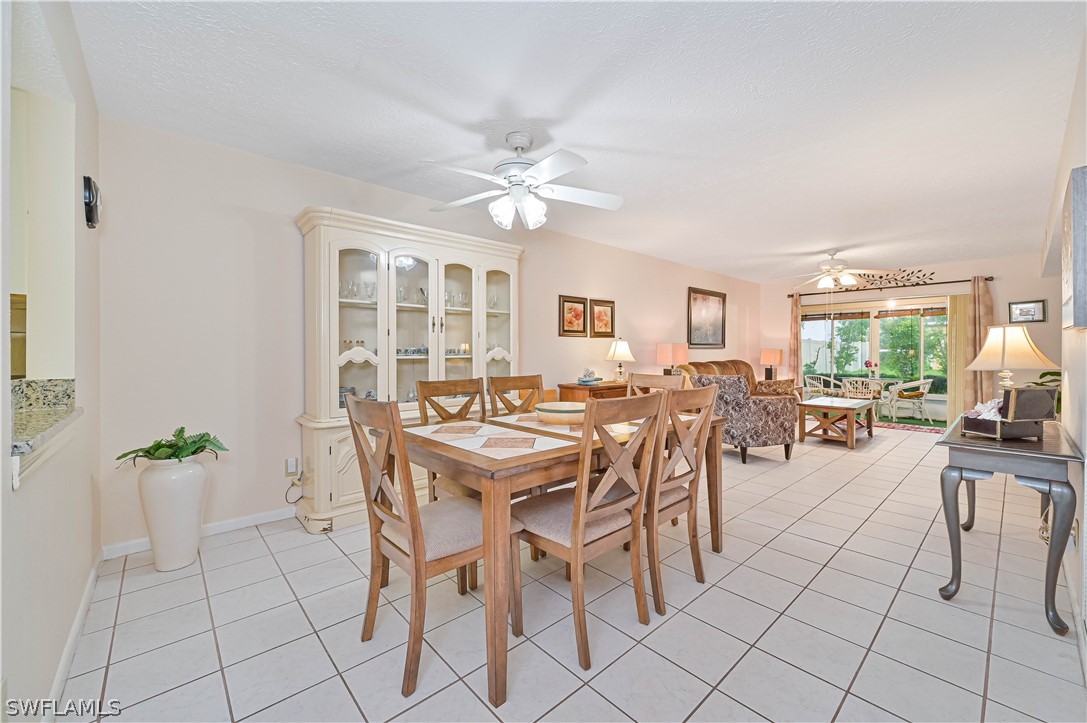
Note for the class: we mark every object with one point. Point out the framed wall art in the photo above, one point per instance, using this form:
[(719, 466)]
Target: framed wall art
[(602, 314), (1026, 312), (705, 319), (572, 315)]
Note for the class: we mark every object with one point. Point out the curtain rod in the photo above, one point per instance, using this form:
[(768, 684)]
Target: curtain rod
[(885, 288)]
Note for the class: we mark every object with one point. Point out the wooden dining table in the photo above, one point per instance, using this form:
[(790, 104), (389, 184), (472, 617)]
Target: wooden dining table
[(500, 457)]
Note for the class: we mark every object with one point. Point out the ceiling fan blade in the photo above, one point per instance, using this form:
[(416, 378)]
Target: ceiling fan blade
[(557, 164), (469, 172), (469, 199), (798, 276), (583, 196)]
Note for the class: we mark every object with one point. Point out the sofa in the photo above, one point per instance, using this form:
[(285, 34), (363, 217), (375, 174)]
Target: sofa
[(759, 413)]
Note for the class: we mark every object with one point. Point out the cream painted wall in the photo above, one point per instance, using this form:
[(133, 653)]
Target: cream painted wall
[(51, 523), (43, 237), (1016, 278), (202, 305)]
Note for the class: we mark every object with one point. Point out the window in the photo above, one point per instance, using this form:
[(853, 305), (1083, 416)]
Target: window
[(835, 345)]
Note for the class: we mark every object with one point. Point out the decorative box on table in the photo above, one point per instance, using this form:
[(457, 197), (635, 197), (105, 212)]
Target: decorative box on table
[(1022, 414)]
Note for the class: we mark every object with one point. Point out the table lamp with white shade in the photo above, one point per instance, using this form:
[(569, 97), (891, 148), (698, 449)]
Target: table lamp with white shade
[(1007, 347), (669, 355), (620, 352), (771, 358)]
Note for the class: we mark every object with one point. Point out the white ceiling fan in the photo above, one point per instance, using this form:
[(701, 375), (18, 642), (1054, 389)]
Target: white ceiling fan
[(834, 273), (524, 182)]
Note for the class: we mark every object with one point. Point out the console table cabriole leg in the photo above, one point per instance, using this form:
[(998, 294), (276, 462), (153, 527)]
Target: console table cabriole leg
[(950, 479), (949, 486), (1063, 498), (971, 503)]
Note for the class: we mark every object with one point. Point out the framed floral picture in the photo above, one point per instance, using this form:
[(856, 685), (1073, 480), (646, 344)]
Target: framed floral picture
[(573, 311), (602, 314), (705, 319)]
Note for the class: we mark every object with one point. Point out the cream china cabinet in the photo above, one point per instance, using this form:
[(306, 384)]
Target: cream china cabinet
[(388, 304)]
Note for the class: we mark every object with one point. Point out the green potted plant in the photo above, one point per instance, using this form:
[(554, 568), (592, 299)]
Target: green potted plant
[(173, 488)]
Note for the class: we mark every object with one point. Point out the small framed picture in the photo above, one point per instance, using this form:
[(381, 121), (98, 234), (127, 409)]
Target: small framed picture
[(705, 319), (602, 314), (1025, 312), (572, 313)]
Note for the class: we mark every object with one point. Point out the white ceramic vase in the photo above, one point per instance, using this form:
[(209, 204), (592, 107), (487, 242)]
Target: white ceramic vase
[(172, 494)]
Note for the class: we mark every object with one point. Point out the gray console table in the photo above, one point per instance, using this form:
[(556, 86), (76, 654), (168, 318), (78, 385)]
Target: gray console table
[(1041, 465)]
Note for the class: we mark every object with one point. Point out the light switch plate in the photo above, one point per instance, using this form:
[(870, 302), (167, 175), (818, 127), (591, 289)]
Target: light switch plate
[(290, 467)]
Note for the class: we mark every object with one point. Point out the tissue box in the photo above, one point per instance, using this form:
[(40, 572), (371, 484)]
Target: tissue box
[(1023, 414)]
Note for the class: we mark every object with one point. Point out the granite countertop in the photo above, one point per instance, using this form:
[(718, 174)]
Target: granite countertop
[(34, 427)]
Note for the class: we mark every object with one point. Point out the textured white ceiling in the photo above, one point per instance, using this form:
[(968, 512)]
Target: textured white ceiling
[(34, 62), (746, 138)]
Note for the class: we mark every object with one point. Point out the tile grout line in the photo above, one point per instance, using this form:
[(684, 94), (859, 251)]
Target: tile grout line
[(112, 636), (992, 608), (215, 637)]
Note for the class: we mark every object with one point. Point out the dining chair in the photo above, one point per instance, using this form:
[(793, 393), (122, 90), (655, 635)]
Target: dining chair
[(429, 394), (531, 384), (423, 541), (638, 384), (605, 507), (673, 488)]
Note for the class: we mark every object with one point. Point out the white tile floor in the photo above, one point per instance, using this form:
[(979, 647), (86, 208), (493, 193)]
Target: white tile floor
[(823, 606)]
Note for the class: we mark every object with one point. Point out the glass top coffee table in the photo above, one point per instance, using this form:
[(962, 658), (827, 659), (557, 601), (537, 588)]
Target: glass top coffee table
[(828, 413)]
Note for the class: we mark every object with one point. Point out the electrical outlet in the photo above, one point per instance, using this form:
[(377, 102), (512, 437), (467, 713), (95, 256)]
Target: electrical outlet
[(290, 467)]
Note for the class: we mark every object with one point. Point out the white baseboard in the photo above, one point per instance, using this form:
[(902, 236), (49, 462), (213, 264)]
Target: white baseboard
[(65, 664), (129, 547)]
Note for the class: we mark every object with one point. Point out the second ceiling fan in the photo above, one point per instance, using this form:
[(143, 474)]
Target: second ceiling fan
[(525, 182)]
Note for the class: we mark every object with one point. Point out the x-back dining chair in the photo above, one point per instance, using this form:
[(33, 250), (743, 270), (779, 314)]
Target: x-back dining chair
[(605, 507), (638, 384), (423, 541), (532, 384), (673, 489), (429, 394)]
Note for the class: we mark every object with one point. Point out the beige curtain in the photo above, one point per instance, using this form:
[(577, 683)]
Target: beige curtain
[(977, 386), (958, 321), (794, 339)]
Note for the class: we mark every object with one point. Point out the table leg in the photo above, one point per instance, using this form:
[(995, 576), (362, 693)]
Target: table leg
[(496, 571), (871, 421), (714, 451), (1063, 498), (851, 430), (971, 503), (803, 424), (949, 485)]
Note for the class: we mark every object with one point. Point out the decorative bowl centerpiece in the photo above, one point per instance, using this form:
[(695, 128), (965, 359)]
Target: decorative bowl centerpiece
[(561, 412)]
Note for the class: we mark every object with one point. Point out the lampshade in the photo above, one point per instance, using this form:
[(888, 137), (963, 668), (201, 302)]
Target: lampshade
[(1009, 346), (771, 357), (619, 351), (671, 354)]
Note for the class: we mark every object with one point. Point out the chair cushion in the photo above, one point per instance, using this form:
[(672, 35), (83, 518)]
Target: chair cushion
[(672, 496), (446, 487), (551, 515), (910, 395), (450, 526)]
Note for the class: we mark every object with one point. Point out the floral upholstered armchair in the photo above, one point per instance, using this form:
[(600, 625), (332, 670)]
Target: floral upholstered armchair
[(752, 420)]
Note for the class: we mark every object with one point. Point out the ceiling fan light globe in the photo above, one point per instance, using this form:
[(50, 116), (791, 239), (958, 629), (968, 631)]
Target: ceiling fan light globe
[(535, 211), (847, 279), (502, 211), (827, 282)]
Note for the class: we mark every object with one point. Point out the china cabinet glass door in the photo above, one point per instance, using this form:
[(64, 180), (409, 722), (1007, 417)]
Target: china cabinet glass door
[(499, 333), (457, 341), (357, 346), (414, 324)]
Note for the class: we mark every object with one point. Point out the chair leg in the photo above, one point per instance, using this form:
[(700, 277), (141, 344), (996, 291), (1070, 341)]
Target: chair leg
[(462, 580), (432, 493), (743, 455), (384, 571), (373, 598), (636, 570), (515, 586), (415, 632), (788, 452), (568, 572), (652, 538), (692, 539), (581, 632), (473, 575)]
